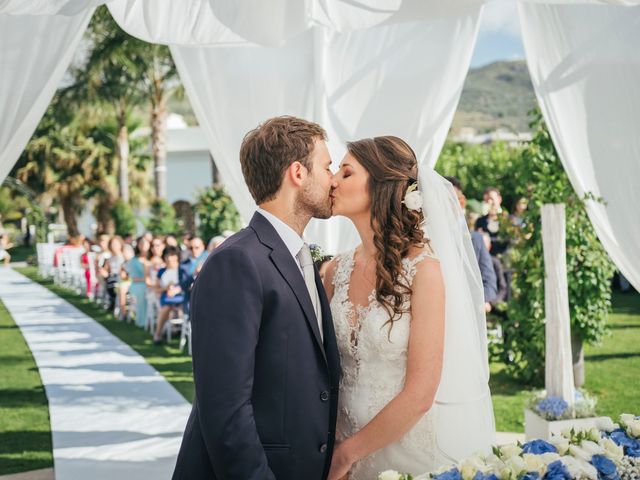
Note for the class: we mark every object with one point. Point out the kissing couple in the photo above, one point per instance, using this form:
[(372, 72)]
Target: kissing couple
[(383, 365)]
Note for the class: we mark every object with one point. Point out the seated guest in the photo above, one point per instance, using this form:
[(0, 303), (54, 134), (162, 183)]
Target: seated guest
[(172, 284), (517, 216), (490, 223), (197, 255), (215, 242)]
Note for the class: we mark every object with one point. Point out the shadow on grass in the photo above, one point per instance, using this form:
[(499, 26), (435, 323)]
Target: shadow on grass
[(24, 451), (13, 398), (610, 356)]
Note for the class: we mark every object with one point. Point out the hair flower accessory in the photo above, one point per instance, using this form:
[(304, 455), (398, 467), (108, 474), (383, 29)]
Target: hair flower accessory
[(413, 198)]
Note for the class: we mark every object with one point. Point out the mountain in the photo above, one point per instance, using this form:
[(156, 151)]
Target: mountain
[(497, 95)]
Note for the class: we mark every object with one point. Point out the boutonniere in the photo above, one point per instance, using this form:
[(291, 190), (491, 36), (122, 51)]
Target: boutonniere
[(316, 252)]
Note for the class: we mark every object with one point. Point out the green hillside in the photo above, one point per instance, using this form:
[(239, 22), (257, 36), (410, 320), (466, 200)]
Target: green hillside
[(498, 95)]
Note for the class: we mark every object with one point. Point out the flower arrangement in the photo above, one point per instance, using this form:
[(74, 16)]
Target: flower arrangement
[(556, 408), (609, 452), (316, 252)]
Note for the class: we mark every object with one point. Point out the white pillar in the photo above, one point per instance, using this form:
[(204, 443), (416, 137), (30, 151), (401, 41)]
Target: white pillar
[(558, 359)]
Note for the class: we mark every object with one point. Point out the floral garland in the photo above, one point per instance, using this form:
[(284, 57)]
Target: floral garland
[(609, 452)]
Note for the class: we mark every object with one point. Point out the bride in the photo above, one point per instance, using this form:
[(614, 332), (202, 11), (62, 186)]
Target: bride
[(409, 318)]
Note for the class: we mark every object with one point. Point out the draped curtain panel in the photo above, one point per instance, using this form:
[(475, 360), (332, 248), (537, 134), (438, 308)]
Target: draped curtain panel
[(35, 51), (585, 66), (401, 79)]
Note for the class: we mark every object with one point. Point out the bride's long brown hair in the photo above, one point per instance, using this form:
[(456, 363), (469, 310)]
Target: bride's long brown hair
[(392, 167)]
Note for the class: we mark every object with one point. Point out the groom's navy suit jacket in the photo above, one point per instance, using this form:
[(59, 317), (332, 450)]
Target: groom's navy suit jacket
[(266, 384)]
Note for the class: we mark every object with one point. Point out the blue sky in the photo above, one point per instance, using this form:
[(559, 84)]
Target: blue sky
[(499, 36)]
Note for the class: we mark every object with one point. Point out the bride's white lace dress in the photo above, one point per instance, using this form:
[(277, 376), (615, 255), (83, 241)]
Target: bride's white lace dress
[(373, 373)]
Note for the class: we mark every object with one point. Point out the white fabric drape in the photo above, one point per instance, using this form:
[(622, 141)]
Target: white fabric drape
[(558, 360), (400, 79), (34, 54), (585, 67)]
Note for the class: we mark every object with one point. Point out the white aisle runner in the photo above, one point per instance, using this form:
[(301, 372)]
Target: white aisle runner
[(112, 415)]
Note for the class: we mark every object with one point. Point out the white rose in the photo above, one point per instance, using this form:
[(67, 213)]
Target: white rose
[(635, 429), (579, 468), (562, 444), (549, 457), (626, 419), (592, 447), (413, 200), (611, 450), (516, 464), (605, 424), (471, 466), (594, 434), (534, 463), (389, 475), (578, 452), (509, 451), (494, 463)]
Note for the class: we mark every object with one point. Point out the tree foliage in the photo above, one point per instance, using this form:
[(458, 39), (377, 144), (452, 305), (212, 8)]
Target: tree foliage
[(216, 212)]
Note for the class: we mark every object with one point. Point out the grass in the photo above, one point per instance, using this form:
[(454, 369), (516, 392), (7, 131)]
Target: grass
[(25, 432), (612, 368), (21, 253), (612, 371)]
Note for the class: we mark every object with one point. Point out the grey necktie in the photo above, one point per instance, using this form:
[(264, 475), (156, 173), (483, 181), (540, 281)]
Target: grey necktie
[(306, 262)]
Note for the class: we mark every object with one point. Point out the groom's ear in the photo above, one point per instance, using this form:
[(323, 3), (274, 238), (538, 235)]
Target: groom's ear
[(297, 173)]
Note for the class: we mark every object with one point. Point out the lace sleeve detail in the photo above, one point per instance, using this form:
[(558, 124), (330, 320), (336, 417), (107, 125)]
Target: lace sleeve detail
[(410, 265)]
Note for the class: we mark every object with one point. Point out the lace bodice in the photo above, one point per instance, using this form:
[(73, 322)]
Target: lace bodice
[(374, 361)]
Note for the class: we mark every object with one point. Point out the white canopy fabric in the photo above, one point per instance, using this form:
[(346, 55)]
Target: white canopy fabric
[(35, 51), (360, 69), (401, 79), (585, 66)]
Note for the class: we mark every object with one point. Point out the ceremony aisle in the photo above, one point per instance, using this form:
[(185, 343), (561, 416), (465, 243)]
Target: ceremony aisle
[(112, 414)]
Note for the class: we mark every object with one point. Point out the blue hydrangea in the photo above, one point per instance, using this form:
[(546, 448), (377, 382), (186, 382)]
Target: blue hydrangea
[(453, 474), (538, 447), (605, 467), (485, 476), (557, 471), (552, 406), (530, 476), (631, 445)]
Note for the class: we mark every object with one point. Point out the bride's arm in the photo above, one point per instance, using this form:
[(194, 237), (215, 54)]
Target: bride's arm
[(424, 366)]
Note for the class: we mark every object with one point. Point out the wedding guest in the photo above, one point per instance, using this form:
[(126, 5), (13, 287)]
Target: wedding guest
[(89, 270), (113, 269), (171, 286), (170, 240), (136, 268), (197, 255), (517, 216), (490, 222), (489, 282), (215, 242), (502, 293), (5, 245)]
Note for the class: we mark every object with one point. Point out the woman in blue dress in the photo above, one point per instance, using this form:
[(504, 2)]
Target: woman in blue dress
[(137, 270)]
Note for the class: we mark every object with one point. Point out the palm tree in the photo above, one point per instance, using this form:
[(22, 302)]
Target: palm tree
[(160, 79), (58, 161), (111, 77)]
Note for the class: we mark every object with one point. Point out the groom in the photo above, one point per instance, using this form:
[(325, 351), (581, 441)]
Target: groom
[(265, 359)]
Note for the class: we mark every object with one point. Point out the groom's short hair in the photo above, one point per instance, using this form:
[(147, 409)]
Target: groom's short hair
[(268, 150)]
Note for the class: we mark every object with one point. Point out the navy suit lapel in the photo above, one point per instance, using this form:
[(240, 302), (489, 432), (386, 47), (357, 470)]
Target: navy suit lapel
[(286, 265)]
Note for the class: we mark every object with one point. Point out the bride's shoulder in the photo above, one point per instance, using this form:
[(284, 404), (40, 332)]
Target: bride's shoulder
[(418, 253)]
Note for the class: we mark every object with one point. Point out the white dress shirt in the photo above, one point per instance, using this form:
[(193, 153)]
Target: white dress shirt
[(289, 236)]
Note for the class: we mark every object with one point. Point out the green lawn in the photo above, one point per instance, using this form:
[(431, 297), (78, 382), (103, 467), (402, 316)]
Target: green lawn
[(21, 253), (25, 433), (612, 369)]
